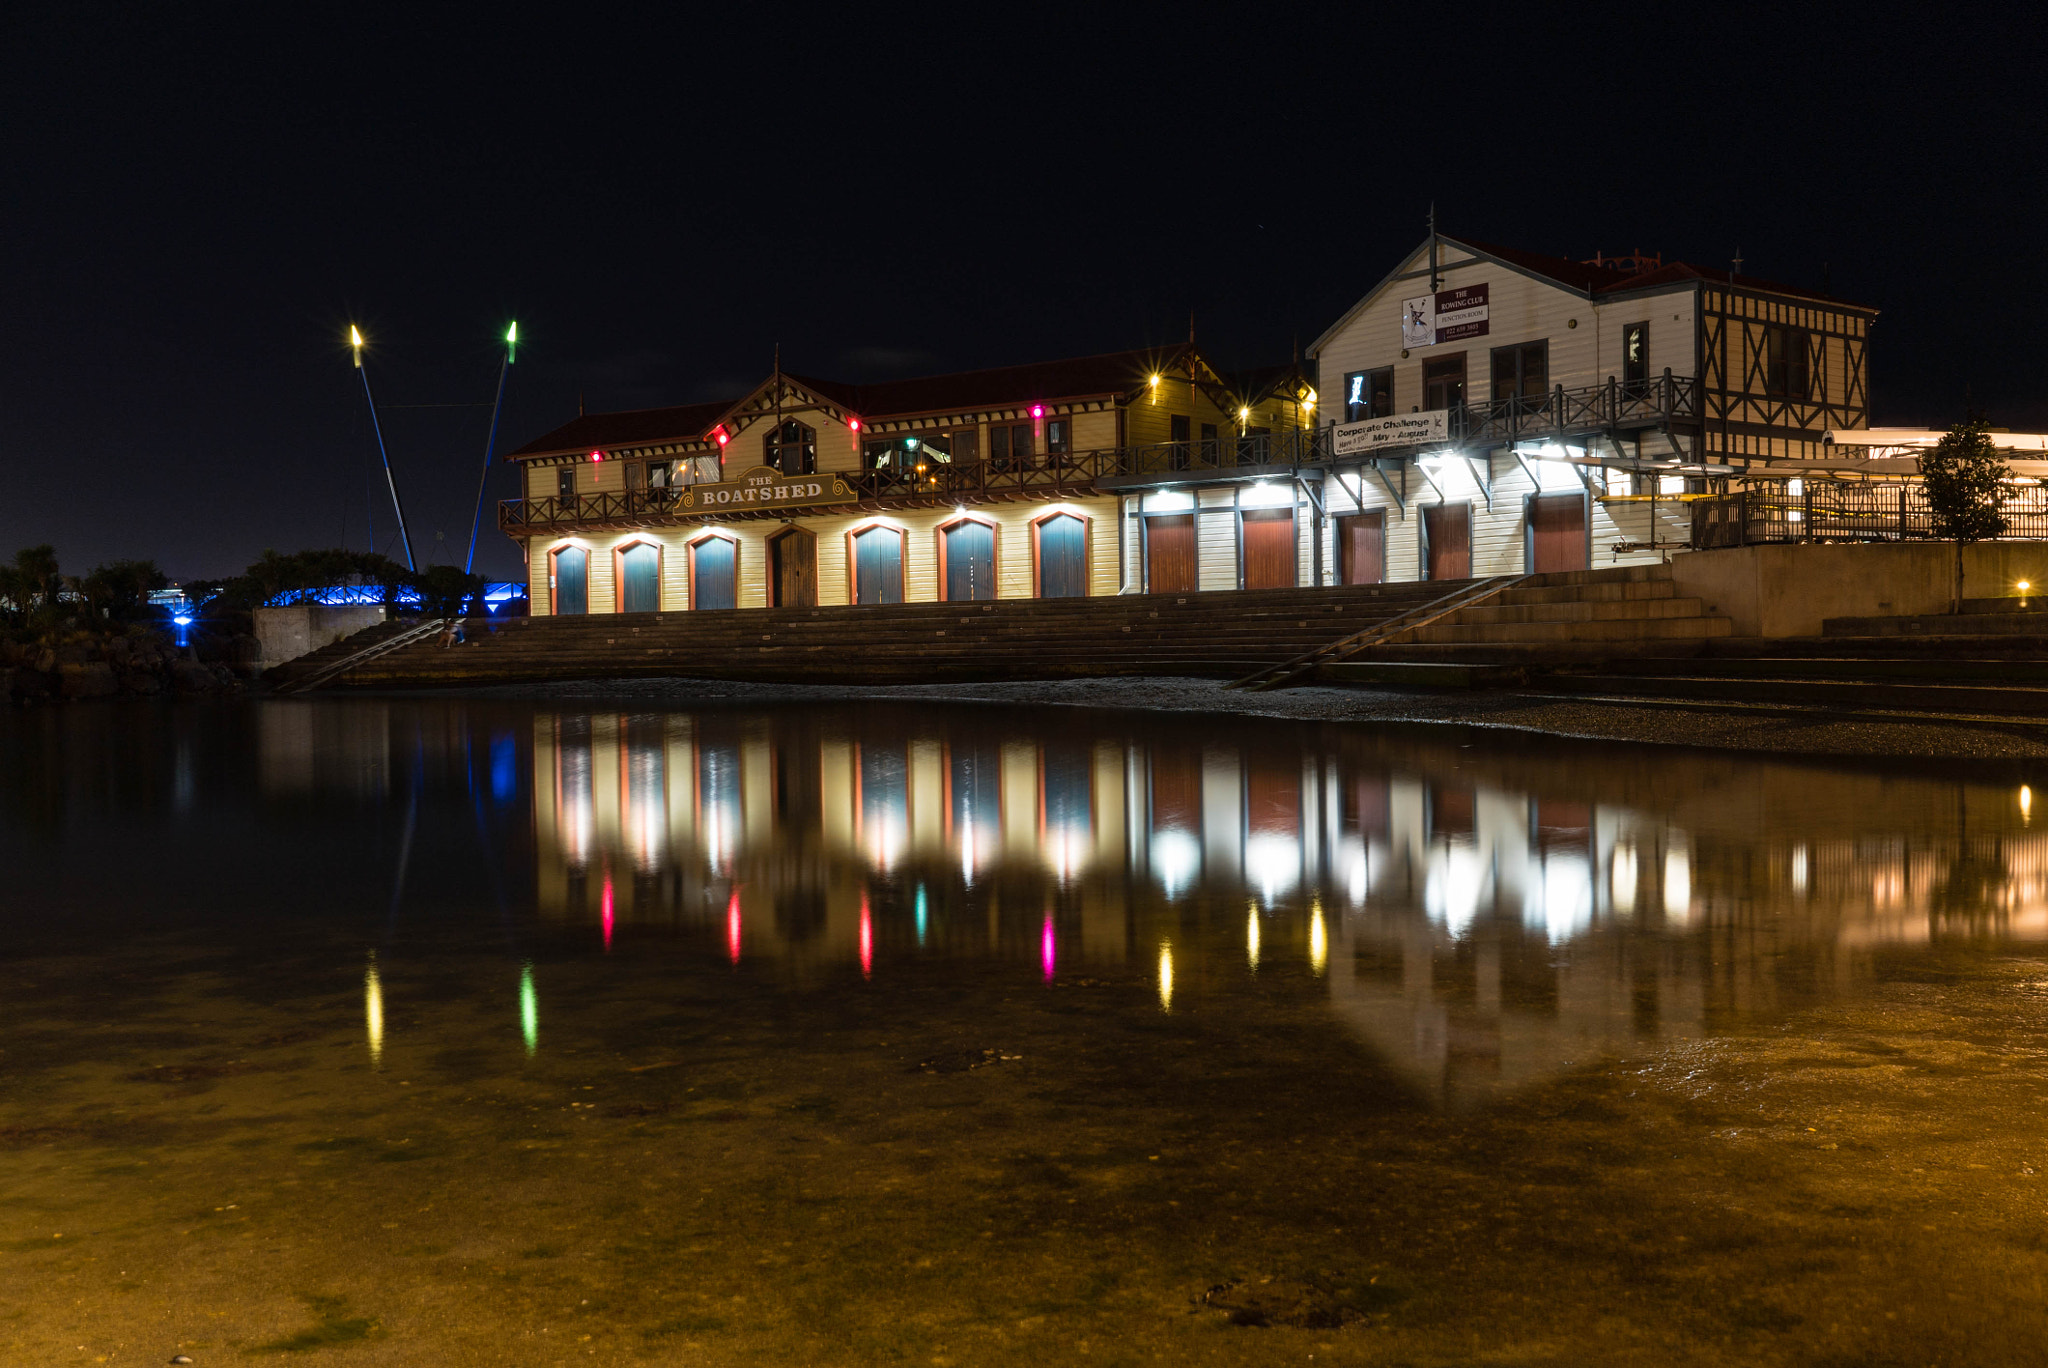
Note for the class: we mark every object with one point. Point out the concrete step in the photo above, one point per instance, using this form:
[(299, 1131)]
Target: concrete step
[(1627, 629), (1610, 574), (1944, 698), (1588, 593), (1611, 610), (1944, 625)]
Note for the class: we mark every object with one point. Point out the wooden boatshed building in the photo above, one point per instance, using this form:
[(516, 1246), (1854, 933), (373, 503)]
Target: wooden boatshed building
[(1015, 482), (1495, 411)]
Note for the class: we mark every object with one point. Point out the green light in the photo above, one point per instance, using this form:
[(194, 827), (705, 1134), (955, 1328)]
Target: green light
[(512, 339), (920, 914), (529, 1009)]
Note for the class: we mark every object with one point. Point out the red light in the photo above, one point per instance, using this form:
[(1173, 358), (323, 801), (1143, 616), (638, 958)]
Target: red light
[(720, 435), (606, 904), (853, 425), (597, 455), (1038, 410), (867, 939), (732, 927)]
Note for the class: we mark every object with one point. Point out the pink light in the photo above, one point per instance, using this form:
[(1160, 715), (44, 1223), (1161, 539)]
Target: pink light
[(597, 455), (732, 927), (867, 939), (1038, 410), (720, 435), (605, 912), (1048, 949)]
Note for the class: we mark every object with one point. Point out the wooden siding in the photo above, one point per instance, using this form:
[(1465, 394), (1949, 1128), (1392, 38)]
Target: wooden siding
[(921, 554)]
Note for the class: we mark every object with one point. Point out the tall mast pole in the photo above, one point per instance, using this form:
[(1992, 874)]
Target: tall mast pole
[(355, 340), (490, 444)]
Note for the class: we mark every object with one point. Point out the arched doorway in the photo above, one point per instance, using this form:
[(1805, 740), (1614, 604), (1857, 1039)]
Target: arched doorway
[(793, 569), (878, 565), (569, 580), (714, 577), (638, 568), (1062, 556), (970, 561)]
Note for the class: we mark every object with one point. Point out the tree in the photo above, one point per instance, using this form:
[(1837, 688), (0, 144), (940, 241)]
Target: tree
[(39, 581), (119, 590), (1966, 491)]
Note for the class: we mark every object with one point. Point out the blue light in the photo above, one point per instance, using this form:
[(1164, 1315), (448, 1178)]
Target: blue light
[(182, 621)]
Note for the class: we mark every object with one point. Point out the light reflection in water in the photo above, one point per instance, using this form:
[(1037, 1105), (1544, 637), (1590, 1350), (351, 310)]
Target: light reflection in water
[(373, 1012), (529, 1009), (2026, 804), (1435, 890)]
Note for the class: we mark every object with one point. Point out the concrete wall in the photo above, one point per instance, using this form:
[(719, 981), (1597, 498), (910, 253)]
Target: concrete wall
[(1781, 591), (287, 633)]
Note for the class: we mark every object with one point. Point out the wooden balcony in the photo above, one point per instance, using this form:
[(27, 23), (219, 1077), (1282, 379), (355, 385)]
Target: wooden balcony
[(1560, 415)]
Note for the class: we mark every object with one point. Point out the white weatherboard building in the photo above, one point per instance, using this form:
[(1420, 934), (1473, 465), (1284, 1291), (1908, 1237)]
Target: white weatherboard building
[(1492, 411)]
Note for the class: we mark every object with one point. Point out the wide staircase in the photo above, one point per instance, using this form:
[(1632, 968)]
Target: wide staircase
[(1566, 616), (1218, 635)]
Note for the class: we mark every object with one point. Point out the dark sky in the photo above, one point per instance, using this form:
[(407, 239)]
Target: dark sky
[(199, 199)]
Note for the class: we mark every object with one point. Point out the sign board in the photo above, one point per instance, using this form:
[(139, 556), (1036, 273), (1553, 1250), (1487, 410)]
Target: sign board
[(766, 487), (1400, 430), (1446, 316)]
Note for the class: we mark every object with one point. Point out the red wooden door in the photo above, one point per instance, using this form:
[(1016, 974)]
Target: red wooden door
[(1448, 528), (1170, 554), (1362, 547), (1557, 532), (1269, 548)]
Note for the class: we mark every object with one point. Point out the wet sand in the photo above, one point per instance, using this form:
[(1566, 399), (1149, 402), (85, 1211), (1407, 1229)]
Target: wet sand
[(700, 1168)]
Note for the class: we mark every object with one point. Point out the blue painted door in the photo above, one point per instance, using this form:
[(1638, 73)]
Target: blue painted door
[(1062, 557), (878, 566), (970, 562), (639, 579), (712, 581), (572, 580)]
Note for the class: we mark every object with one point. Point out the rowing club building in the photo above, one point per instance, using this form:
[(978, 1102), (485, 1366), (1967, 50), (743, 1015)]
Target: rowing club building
[(1005, 483), (1482, 410)]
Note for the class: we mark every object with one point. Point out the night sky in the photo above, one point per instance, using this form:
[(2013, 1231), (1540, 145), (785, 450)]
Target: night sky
[(200, 199)]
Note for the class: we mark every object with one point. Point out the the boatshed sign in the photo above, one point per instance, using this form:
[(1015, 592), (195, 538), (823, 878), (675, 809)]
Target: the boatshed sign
[(1398, 430), (766, 487), (1446, 316)]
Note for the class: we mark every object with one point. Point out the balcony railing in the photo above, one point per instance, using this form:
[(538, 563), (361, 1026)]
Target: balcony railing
[(1558, 413)]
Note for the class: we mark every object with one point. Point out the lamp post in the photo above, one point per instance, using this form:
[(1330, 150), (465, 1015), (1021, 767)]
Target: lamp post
[(490, 443), (355, 342)]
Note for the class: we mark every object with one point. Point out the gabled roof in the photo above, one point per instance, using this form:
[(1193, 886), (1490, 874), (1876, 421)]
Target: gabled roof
[(632, 427), (1582, 278)]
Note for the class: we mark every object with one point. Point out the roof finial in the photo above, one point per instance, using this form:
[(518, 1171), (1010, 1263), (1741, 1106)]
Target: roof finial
[(1436, 281), (579, 403), (1191, 327), (1736, 270)]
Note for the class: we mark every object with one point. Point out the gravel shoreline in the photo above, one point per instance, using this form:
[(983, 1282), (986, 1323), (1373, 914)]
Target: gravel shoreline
[(1772, 729)]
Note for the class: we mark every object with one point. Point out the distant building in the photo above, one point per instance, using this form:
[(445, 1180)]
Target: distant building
[(1493, 411), (1017, 482)]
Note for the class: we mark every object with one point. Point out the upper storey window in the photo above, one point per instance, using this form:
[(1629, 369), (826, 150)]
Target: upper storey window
[(792, 449), (1368, 394), (1785, 369)]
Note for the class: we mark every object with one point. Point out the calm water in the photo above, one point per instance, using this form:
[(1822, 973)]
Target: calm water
[(433, 1032)]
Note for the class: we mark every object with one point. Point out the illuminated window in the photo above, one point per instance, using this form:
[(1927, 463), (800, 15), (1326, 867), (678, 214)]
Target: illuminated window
[(1368, 394), (1635, 354), (791, 449)]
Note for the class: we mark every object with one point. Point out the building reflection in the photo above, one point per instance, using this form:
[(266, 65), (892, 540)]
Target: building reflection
[(1480, 919)]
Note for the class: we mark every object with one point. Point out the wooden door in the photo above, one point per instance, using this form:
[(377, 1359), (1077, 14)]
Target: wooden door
[(878, 566), (1362, 547), (640, 579), (1170, 554), (793, 570), (713, 583), (1557, 532), (1447, 530), (1269, 559), (1062, 557), (970, 562), (572, 580)]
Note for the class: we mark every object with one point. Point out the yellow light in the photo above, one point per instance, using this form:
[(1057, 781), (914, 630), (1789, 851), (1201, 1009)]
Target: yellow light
[(1309, 402), (1244, 413), (2026, 804), (1165, 976), (373, 1012), (1155, 380), (355, 341), (2025, 585), (1318, 939), (1251, 937)]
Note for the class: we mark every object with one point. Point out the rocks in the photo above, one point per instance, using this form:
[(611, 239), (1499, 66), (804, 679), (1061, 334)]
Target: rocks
[(86, 668), (88, 679)]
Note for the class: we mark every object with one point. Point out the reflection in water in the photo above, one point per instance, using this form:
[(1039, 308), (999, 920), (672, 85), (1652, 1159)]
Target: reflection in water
[(373, 1012), (529, 1009), (1479, 919)]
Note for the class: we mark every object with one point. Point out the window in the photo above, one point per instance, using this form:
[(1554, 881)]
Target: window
[(1522, 372), (659, 474), (1177, 428), (1008, 442), (1208, 432), (565, 482), (1443, 382), (1368, 394), (1059, 437), (1785, 373), (907, 453), (1635, 354), (791, 449)]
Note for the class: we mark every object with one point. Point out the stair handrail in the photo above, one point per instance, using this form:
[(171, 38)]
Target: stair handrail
[(1379, 634), (368, 653)]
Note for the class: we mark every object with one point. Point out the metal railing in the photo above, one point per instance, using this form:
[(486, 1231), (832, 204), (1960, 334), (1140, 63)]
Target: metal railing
[(1559, 412), (1847, 510)]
